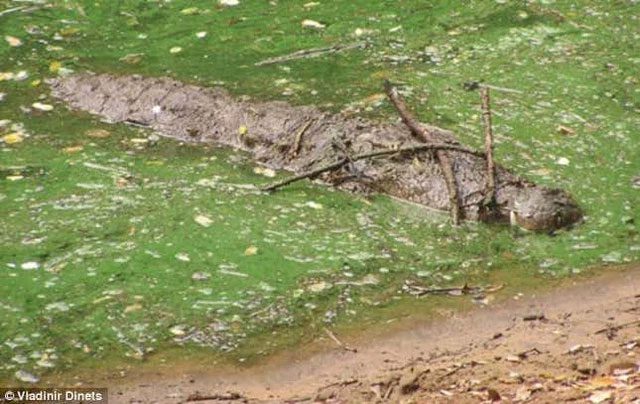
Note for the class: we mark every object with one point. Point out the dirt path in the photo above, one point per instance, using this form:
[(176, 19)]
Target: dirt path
[(577, 343)]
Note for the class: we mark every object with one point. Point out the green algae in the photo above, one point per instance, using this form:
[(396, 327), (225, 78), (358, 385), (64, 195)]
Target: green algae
[(111, 222)]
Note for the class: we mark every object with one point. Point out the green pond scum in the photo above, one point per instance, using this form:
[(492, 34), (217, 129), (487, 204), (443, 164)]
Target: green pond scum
[(117, 245)]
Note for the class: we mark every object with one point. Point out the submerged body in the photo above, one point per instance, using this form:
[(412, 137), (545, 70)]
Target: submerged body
[(299, 139)]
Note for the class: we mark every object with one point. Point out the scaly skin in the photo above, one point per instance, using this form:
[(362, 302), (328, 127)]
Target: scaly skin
[(271, 133)]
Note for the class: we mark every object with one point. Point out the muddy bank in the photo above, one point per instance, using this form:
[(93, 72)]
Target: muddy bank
[(547, 346), (299, 139)]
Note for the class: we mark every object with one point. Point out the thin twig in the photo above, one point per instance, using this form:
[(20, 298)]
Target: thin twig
[(298, 141), (338, 164), (342, 383), (502, 89), (337, 341), (11, 10), (490, 191), (218, 397), (446, 165), (309, 53), (464, 290), (618, 327)]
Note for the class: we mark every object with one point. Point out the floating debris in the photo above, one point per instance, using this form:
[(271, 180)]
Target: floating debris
[(26, 377), (229, 3), (12, 138), (42, 107), (203, 220), (251, 250), (311, 24), (13, 41), (183, 257), (30, 266), (200, 276)]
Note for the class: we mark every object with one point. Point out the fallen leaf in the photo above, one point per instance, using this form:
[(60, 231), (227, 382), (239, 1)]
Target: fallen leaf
[(13, 41), (600, 397), (190, 11), (6, 76), (29, 266), (314, 205), (203, 220), (55, 66), (132, 58), (12, 138), (26, 377), (229, 3), (42, 107), (200, 276), (69, 31), (251, 250), (565, 130), (624, 367), (183, 257), (177, 330), (72, 149), (311, 24), (98, 133), (132, 308), (267, 172), (175, 49)]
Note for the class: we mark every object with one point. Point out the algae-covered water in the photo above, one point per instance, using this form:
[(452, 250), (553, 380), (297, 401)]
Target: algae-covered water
[(116, 245)]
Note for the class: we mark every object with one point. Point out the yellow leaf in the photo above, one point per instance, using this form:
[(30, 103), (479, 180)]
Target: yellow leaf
[(98, 133), (69, 31), (267, 172), (4, 76), (55, 66), (243, 130), (35, 83), (251, 250), (72, 149), (12, 138), (133, 307), (190, 11)]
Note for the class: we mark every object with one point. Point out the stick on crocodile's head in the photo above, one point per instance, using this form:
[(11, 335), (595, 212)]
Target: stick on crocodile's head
[(544, 209)]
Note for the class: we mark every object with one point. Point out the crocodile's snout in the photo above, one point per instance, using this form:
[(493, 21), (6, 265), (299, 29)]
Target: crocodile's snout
[(544, 209)]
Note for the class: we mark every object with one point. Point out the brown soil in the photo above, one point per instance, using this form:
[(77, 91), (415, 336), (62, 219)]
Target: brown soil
[(578, 343), (302, 139)]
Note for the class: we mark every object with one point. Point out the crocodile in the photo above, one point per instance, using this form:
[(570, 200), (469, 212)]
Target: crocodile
[(301, 138)]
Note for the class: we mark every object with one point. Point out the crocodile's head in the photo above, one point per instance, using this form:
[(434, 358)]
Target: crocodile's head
[(544, 209)]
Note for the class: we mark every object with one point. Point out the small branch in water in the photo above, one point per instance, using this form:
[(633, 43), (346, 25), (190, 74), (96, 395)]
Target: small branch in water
[(11, 10), (338, 164), (417, 290), (337, 341), (298, 142), (502, 89), (135, 123), (310, 53), (490, 194), (446, 165)]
